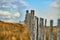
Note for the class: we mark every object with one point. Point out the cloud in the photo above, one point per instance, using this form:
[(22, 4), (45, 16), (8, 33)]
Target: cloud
[(5, 15), (11, 21), (17, 14), (55, 4), (11, 10), (13, 3), (8, 14)]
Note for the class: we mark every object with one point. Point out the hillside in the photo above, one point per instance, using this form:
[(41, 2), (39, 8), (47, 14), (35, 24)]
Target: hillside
[(13, 31)]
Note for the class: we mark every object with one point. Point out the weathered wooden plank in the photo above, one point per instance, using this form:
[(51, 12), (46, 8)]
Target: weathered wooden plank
[(45, 29), (42, 28), (58, 30), (51, 29)]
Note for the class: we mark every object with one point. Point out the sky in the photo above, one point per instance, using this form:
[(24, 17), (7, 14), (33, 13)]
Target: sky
[(15, 10)]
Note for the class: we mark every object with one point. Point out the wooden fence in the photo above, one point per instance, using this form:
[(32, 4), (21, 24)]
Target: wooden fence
[(38, 29)]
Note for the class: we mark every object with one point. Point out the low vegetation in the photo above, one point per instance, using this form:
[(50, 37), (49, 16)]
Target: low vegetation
[(54, 33), (16, 31), (13, 31)]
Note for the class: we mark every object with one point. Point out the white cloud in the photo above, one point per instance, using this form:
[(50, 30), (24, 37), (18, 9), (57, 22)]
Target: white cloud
[(24, 3), (10, 20), (54, 4), (9, 17), (14, 3), (5, 6), (4, 13), (14, 6), (13, 9), (17, 14)]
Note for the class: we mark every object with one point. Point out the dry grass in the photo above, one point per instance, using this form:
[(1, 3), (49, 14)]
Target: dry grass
[(13, 31), (16, 31), (54, 33)]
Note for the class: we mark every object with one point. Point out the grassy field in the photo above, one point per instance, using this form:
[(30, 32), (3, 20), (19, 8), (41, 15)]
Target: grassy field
[(54, 33), (13, 31), (16, 31)]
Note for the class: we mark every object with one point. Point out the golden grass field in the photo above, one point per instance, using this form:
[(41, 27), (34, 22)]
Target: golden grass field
[(54, 33), (16, 31)]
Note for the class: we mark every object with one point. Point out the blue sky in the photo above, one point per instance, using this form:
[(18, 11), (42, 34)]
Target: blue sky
[(46, 9), (40, 4), (15, 10)]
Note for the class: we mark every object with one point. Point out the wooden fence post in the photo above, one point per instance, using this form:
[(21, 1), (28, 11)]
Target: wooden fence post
[(51, 29), (58, 30), (42, 28), (45, 29), (36, 28)]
